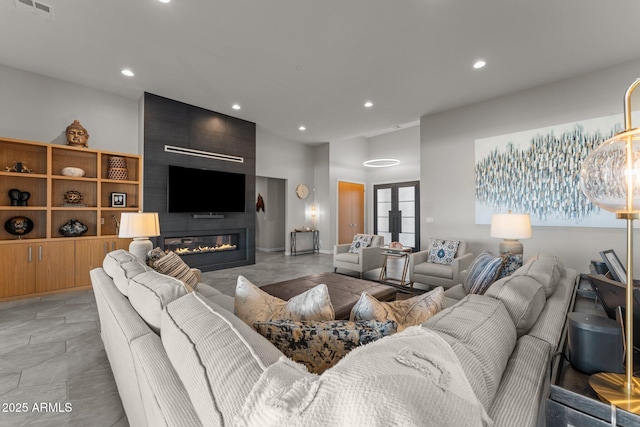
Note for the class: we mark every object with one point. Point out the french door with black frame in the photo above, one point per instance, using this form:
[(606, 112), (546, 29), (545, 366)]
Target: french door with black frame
[(396, 208)]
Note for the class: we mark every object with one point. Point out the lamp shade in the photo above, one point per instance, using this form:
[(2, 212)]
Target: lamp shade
[(139, 224), (510, 226)]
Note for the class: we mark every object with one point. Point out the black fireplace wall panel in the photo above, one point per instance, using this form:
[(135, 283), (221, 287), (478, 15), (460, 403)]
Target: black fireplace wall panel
[(169, 122)]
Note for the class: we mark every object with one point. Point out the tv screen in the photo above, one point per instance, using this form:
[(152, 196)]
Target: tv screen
[(191, 190)]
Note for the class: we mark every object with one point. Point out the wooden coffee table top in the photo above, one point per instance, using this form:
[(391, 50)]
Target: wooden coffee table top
[(344, 291)]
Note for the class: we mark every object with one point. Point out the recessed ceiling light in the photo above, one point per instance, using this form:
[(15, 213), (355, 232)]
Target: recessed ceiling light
[(368, 104), (479, 64), (164, 1), (127, 72), (381, 163), (302, 128), (236, 106)]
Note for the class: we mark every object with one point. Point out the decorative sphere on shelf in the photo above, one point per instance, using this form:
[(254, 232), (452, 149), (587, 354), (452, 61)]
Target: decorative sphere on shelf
[(71, 171), (18, 225), (72, 196)]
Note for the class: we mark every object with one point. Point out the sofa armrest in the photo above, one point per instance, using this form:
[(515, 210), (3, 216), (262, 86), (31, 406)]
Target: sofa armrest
[(461, 264), (341, 249), (198, 274)]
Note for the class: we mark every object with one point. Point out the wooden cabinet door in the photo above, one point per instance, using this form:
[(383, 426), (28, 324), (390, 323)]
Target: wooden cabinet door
[(18, 267), (55, 265), (89, 255)]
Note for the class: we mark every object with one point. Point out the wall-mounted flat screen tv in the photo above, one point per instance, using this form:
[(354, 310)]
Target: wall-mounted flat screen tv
[(191, 190)]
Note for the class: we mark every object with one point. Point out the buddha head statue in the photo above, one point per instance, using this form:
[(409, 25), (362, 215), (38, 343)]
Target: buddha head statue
[(77, 135)]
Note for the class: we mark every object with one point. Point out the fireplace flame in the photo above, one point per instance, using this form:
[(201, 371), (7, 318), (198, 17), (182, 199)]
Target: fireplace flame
[(203, 249)]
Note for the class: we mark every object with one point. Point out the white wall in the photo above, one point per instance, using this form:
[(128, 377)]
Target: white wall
[(270, 224), (322, 195), (38, 108), (279, 157), (447, 161)]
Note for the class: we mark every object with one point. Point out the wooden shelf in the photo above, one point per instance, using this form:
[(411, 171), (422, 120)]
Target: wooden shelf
[(44, 254)]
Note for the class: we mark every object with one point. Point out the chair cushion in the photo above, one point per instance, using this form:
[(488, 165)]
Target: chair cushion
[(484, 270), (255, 305), (436, 270), (524, 298), (360, 241), (443, 251), (545, 268), (320, 345), (406, 312), (172, 265), (348, 257), (151, 292), (121, 266)]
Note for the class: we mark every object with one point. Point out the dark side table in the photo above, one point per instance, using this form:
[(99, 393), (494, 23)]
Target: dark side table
[(315, 235), (571, 401)]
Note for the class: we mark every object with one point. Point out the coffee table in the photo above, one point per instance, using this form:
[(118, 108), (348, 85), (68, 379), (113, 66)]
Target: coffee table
[(344, 291)]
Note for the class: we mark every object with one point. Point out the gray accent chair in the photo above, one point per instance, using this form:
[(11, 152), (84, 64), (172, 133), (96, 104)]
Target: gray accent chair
[(369, 258), (432, 274)]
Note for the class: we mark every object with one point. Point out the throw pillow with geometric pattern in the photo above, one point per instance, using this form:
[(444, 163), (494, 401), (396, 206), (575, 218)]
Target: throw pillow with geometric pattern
[(443, 251), (360, 241)]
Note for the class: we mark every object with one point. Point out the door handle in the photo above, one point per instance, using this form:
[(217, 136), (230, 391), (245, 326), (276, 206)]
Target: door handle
[(399, 221)]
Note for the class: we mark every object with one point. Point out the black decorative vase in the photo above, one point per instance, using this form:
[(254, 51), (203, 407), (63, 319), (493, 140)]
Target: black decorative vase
[(18, 225), (72, 228)]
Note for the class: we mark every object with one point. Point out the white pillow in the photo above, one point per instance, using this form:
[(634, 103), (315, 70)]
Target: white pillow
[(255, 305), (408, 312)]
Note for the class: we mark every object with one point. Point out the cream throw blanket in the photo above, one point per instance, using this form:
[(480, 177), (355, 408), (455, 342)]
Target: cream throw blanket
[(408, 379)]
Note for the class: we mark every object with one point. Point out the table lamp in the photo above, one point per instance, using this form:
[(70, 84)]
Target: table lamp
[(510, 227), (610, 178), (140, 226)]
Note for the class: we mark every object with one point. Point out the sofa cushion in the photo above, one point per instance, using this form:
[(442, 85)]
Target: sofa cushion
[(320, 345), (482, 336), (172, 265), (443, 251), (407, 379), (217, 356), (524, 298), (149, 294), (360, 241), (547, 269), (405, 312), (482, 272), (121, 266), (254, 305)]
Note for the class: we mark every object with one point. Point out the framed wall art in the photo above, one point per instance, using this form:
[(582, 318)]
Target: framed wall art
[(118, 200)]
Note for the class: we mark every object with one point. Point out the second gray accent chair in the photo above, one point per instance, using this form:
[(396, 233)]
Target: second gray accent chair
[(432, 274), (369, 257)]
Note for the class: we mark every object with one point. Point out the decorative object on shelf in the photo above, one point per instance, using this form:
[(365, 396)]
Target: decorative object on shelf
[(609, 178), (72, 171), (77, 135), (302, 191), (73, 197), (118, 200), (118, 168), (115, 219), (510, 227), (18, 198), (18, 167), (72, 228), (18, 225), (260, 204), (139, 226)]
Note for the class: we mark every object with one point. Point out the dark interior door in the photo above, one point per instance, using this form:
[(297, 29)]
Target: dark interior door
[(397, 213)]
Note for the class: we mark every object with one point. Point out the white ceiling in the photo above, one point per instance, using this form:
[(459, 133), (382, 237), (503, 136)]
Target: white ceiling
[(315, 62)]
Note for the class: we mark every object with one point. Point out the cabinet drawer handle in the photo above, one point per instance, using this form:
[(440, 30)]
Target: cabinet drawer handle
[(106, 247), (39, 253), (30, 255), (113, 245)]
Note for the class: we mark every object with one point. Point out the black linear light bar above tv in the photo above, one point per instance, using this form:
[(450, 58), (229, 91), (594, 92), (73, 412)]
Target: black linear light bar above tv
[(204, 191)]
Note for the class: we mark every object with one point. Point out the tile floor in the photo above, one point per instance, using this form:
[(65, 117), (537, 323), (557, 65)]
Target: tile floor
[(53, 367)]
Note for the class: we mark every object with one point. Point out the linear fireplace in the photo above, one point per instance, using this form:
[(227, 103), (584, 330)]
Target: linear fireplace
[(211, 251)]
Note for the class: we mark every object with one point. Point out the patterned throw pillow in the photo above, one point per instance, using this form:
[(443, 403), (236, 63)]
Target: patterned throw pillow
[(172, 265), (360, 241), (320, 345), (252, 304), (484, 270), (512, 262), (153, 255), (443, 251), (407, 312)]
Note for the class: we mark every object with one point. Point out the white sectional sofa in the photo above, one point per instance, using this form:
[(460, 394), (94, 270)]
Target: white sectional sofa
[(186, 360)]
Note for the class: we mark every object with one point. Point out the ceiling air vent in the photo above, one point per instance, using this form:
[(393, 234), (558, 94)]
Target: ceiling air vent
[(36, 7)]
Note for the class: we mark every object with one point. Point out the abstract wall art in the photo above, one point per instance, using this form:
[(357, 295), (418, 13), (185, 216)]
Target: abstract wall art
[(537, 172)]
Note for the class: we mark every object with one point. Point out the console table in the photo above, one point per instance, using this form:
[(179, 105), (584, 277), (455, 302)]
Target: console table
[(571, 400), (315, 236)]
